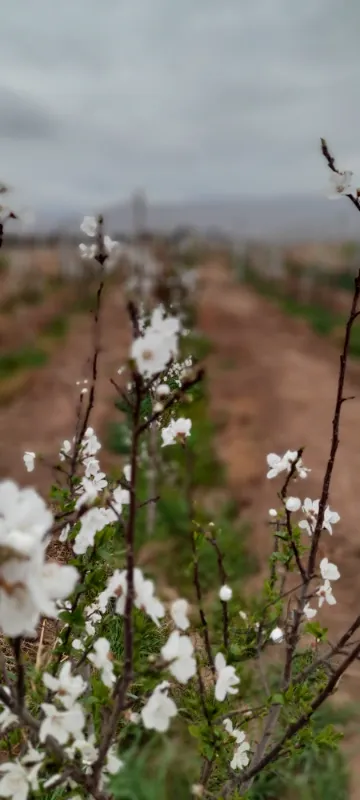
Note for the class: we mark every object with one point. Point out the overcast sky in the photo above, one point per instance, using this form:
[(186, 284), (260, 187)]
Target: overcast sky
[(186, 98)]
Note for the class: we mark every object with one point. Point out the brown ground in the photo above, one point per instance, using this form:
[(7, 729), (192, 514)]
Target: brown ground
[(42, 414), (272, 385), (272, 388)]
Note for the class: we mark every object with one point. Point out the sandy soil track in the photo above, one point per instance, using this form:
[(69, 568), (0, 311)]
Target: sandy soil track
[(272, 387)]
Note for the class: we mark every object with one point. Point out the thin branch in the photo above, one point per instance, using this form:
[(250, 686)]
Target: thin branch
[(188, 384), (123, 683)]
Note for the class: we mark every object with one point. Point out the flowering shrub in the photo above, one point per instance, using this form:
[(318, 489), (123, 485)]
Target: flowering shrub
[(130, 673)]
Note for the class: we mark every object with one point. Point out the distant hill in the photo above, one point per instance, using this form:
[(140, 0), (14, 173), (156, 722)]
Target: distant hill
[(282, 219)]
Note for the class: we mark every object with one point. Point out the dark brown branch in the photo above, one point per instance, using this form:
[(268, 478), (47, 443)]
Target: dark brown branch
[(123, 683), (295, 727), (223, 578), (335, 432)]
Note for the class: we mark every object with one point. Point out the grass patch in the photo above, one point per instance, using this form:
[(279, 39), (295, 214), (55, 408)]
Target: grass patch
[(319, 772), (322, 320), (29, 296), (57, 327), (24, 358)]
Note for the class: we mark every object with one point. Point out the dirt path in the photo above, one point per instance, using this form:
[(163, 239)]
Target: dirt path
[(272, 387), (43, 414), (272, 384)]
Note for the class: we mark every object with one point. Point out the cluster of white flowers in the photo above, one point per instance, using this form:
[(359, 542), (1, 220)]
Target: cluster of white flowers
[(179, 613), (21, 775), (240, 758), (179, 653), (226, 679), (29, 586), (159, 709), (341, 184), (179, 369), (177, 431), (285, 463), (101, 657), (63, 720), (113, 250), (144, 598), (329, 572), (157, 344), (92, 484)]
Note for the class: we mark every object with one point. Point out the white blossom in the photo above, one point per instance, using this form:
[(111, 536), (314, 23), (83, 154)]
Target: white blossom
[(277, 465), (152, 352), (87, 251), (311, 510), (341, 184), (328, 570), (68, 687), (325, 594), (225, 593), (92, 522), (63, 535), (15, 782), (159, 709), (62, 724), (87, 749), (179, 612), (78, 645), (197, 790), (166, 326), (226, 678), (285, 463), (177, 431), (293, 504), (89, 226), (90, 444), (309, 612), (178, 651), (127, 472), (101, 657), (273, 512), (29, 585), (144, 595), (93, 616), (65, 449), (113, 762), (120, 498), (7, 717), (162, 390), (29, 460), (240, 758), (277, 635)]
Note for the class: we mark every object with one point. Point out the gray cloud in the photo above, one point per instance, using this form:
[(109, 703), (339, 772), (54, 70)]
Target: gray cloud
[(23, 119), (185, 99)]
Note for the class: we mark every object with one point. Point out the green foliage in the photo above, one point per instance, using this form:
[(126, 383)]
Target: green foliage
[(117, 438), (321, 319), (315, 771), (4, 264), (24, 358), (157, 770), (57, 327)]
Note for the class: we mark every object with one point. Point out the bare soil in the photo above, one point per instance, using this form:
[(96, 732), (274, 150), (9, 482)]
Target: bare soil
[(43, 411), (272, 388)]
